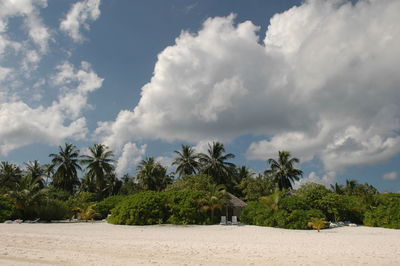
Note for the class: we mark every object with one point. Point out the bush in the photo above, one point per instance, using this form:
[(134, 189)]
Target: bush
[(7, 209), (144, 208), (257, 213), (82, 200), (105, 206), (53, 209), (312, 193), (297, 219), (184, 207), (292, 203), (55, 193), (287, 216), (386, 214)]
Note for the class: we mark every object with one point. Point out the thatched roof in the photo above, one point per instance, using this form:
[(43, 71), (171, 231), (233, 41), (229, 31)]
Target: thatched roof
[(235, 201)]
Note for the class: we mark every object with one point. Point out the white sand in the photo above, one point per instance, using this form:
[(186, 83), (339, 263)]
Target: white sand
[(105, 244)]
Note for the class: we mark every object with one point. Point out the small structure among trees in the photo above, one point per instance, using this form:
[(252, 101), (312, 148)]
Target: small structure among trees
[(234, 206)]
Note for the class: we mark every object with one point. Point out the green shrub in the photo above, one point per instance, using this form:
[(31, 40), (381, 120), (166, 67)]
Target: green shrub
[(386, 214), (312, 193), (291, 203), (7, 209), (53, 209), (55, 193), (82, 200), (287, 216), (257, 213), (298, 219), (105, 206), (185, 207), (144, 208)]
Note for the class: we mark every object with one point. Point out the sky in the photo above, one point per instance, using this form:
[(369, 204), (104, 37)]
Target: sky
[(318, 78)]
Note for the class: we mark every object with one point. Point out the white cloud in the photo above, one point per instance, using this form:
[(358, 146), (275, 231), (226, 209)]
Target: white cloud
[(323, 84), (131, 155), (83, 81), (38, 33), (390, 176), (79, 16), (326, 180), (21, 125)]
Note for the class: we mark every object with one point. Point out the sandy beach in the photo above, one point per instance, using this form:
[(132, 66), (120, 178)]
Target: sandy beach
[(105, 244)]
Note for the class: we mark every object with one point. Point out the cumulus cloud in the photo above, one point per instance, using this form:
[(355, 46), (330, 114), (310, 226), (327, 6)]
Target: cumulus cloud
[(83, 81), (21, 124), (390, 176), (80, 14), (321, 84), (131, 155), (326, 180)]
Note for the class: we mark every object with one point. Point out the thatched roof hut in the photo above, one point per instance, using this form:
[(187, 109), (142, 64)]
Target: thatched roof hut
[(235, 201), (234, 206)]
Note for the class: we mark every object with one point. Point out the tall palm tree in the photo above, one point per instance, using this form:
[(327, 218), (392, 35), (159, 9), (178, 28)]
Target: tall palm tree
[(99, 164), (10, 174), (215, 164), (283, 171), (152, 175), (186, 161), (67, 163), (36, 171), (48, 173)]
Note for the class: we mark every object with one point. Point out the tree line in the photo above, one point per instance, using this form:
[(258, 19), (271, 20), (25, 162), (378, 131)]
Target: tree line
[(99, 177), (86, 184)]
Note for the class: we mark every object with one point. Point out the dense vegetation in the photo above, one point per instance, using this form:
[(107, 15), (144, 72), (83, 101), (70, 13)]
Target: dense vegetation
[(86, 186)]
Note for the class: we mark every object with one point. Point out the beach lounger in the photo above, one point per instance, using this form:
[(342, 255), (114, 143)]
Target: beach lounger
[(223, 220), (234, 220)]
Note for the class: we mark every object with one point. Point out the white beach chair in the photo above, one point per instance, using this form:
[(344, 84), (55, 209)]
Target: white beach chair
[(234, 220), (223, 220)]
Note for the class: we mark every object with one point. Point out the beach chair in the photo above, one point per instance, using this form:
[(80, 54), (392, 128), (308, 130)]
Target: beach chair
[(223, 220), (234, 220)]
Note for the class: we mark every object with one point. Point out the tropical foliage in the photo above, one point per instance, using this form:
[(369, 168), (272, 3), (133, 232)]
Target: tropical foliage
[(152, 175), (215, 163), (85, 185), (283, 171), (66, 164), (318, 223), (7, 209), (186, 161), (143, 208)]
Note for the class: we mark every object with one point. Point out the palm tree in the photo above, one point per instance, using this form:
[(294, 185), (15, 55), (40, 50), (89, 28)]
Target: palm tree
[(26, 195), (67, 163), (10, 174), (186, 161), (318, 223), (215, 199), (351, 186), (215, 163), (283, 171), (152, 175), (36, 171), (242, 173), (338, 189), (99, 164)]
